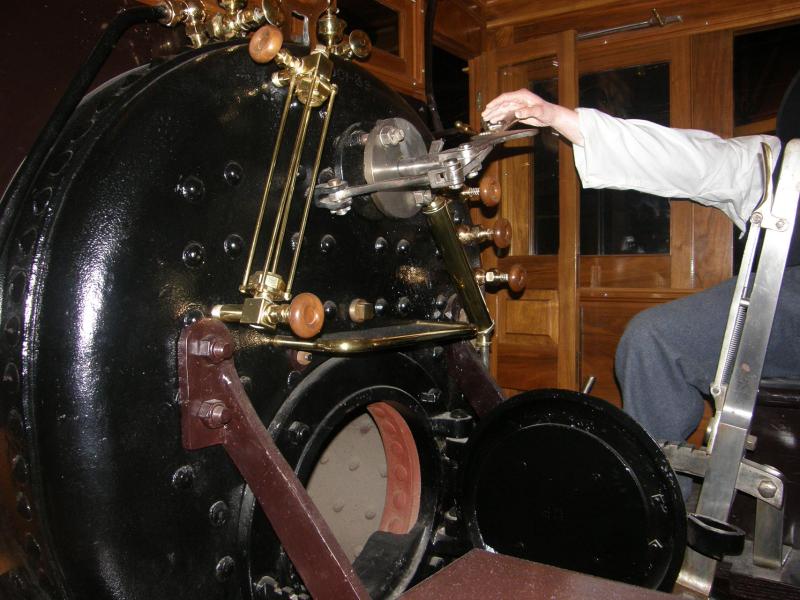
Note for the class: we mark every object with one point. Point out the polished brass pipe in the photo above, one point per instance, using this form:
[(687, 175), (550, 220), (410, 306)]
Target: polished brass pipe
[(310, 194), (265, 196), (279, 230), (444, 232), (419, 332)]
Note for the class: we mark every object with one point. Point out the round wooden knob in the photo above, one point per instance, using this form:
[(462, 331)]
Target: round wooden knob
[(501, 233), (490, 191), (265, 44), (306, 315), (517, 278)]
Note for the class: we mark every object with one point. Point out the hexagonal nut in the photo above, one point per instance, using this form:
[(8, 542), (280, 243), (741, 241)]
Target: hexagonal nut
[(391, 136), (360, 310), (214, 413)]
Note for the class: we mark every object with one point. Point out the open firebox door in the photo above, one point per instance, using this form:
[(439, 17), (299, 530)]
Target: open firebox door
[(302, 252)]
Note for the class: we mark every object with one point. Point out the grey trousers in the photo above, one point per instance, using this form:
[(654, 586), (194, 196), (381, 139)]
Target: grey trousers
[(668, 355)]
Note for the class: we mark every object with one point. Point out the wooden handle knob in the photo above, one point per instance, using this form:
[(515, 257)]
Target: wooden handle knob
[(265, 44), (490, 191), (517, 278), (306, 315), (501, 233)]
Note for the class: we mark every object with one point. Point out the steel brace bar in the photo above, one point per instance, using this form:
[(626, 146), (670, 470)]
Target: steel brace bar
[(216, 410), (733, 421)]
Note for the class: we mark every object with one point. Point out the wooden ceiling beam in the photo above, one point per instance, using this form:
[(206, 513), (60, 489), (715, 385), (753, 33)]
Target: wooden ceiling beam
[(532, 11)]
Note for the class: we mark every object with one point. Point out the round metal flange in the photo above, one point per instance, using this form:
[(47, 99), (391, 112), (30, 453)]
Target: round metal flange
[(563, 478), (390, 141)]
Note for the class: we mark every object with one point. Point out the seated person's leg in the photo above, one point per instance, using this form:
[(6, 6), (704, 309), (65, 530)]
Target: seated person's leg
[(667, 358), (783, 352), (668, 355)]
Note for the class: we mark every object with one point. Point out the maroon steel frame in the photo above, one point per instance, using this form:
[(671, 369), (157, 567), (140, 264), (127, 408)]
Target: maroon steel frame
[(216, 410)]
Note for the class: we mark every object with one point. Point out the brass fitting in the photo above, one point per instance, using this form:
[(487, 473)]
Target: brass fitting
[(498, 232), (194, 22), (488, 192), (236, 21), (330, 29), (516, 278), (175, 12), (305, 315), (360, 310), (270, 286)]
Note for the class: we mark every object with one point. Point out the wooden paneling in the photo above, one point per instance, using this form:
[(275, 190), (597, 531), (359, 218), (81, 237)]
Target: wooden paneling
[(698, 17), (536, 340), (533, 315), (681, 224), (458, 29), (645, 271), (542, 270), (712, 69), (568, 223), (404, 72), (526, 366), (604, 315)]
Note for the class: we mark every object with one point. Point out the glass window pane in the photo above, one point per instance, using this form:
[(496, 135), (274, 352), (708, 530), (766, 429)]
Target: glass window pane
[(764, 63), (626, 222), (381, 23), (543, 79)]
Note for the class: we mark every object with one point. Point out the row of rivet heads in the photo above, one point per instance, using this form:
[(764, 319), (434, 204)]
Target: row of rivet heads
[(40, 205)]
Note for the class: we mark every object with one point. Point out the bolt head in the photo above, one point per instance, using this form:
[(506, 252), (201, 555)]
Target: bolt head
[(218, 513), (214, 413), (767, 489), (299, 432)]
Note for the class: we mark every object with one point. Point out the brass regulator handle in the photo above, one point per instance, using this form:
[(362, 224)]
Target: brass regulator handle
[(501, 232), (306, 315), (517, 278), (489, 191), (265, 44)]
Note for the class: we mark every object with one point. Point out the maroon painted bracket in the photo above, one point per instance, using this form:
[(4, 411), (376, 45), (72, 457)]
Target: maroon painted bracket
[(216, 410)]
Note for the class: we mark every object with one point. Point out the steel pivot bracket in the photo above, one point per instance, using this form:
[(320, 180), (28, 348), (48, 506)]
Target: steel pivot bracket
[(762, 482), (215, 410)]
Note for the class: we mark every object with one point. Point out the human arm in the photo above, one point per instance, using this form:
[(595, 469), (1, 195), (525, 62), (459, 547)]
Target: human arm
[(622, 154), (673, 163), (533, 110)]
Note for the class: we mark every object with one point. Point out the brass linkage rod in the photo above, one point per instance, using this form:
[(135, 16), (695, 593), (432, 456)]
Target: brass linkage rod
[(310, 194), (279, 231), (457, 264), (265, 197)]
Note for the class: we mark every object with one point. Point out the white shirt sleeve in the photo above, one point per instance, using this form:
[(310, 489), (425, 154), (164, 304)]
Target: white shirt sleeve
[(674, 163)]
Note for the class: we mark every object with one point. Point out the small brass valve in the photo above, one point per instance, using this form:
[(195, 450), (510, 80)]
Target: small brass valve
[(516, 278), (305, 314), (312, 74), (231, 19), (498, 232), (488, 192)]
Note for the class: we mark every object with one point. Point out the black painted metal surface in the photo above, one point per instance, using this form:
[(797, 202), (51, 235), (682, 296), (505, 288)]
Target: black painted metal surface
[(567, 479), (134, 228), (136, 225)]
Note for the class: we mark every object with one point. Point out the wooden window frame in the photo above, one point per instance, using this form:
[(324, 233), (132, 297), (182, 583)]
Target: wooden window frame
[(404, 73), (672, 270)]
